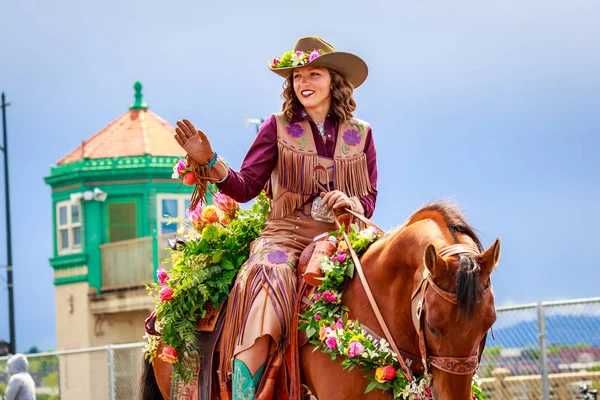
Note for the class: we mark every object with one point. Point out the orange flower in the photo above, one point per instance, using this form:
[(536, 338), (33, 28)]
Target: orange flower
[(169, 355), (342, 247), (210, 214), (385, 374)]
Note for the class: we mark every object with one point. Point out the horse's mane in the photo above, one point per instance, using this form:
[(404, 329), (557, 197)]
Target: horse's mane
[(467, 274)]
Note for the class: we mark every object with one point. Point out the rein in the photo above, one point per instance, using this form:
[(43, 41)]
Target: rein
[(388, 335), (454, 365)]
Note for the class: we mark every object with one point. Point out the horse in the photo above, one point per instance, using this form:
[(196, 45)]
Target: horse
[(395, 267), (434, 296)]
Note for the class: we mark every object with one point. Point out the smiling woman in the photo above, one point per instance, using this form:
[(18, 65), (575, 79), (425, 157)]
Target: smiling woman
[(316, 128)]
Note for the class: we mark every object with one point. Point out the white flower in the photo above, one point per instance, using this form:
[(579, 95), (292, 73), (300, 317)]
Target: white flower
[(384, 346), (298, 58), (327, 265)]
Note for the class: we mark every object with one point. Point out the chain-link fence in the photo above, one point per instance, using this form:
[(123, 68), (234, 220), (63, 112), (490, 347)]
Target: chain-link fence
[(99, 373), (547, 350), (540, 351)]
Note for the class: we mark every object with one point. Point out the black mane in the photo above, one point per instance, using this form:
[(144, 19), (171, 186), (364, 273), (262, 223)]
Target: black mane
[(467, 275)]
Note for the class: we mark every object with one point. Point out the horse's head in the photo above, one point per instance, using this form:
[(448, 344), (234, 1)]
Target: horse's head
[(453, 308)]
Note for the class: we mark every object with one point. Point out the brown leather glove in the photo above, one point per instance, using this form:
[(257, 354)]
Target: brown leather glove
[(194, 142)]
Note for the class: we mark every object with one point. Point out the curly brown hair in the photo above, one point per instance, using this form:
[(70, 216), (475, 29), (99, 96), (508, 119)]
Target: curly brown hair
[(342, 98)]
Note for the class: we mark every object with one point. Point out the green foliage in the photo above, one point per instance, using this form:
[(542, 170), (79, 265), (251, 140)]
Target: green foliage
[(554, 348), (43, 364), (51, 380), (204, 269), (45, 396), (492, 351)]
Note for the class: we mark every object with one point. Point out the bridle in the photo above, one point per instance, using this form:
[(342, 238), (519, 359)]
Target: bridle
[(453, 365)]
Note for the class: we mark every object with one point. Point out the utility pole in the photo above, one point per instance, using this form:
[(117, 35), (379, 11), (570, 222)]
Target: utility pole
[(9, 266)]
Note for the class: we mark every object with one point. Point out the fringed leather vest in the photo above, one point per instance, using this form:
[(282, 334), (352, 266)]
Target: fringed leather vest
[(292, 184)]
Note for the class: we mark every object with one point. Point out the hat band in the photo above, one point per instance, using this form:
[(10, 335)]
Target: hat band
[(296, 58)]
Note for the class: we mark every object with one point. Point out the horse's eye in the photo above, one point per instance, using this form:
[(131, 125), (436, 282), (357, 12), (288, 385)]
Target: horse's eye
[(433, 330)]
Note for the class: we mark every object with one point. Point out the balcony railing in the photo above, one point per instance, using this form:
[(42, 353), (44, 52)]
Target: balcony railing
[(130, 263)]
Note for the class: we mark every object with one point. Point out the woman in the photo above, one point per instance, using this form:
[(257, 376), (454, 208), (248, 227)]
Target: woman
[(315, 128)]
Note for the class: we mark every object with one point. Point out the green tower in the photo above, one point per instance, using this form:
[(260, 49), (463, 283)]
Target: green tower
[(109, 200)]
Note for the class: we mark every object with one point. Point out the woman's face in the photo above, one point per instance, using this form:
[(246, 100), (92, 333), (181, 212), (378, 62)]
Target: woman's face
[(312, 86)]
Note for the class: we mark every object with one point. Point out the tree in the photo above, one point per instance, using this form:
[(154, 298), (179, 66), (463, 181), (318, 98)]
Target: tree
[(33, 350)]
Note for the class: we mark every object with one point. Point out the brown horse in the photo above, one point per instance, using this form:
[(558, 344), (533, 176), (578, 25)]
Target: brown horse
[(455, 306), (394, 267)]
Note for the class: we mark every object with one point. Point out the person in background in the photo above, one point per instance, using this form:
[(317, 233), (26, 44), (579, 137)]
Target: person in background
[(20, 385)]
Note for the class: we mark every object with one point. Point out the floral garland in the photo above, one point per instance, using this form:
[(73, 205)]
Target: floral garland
[(329, 329), (207, 256), (295, 58)]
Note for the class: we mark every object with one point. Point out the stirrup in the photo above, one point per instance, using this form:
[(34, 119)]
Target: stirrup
[(243, 384)]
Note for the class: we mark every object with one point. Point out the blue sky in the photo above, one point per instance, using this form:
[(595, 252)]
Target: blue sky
[(491, 104)]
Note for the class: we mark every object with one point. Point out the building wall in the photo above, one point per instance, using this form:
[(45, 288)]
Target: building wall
[(73, 332)]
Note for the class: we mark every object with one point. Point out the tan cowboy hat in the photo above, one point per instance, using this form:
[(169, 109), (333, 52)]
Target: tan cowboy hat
[(352, 67)]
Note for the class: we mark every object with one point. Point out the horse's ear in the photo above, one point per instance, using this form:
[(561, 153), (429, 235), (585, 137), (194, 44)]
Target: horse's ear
[(489, 258), (433, 262)]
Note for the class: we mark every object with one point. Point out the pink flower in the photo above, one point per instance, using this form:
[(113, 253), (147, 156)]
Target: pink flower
[(339, 324), (181, 166), (299, 53), (275, 61), (314, 55), (340, 258), (317, 317), (162, 276), (195, 215), (331, 342), (166, 294), (316, 297), (229, 206), (355, 349), (329, 296)]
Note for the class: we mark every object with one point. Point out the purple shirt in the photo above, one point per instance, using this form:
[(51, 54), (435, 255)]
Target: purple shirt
[(261, 159)]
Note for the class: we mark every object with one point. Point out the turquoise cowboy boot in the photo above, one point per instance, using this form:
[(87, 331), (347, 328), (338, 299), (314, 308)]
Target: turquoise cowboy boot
[(244, 385)]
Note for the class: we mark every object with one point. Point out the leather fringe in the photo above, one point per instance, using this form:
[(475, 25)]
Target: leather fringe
[(352, 176), (280, 284), (296, 170), (199, 194), (286, 204)]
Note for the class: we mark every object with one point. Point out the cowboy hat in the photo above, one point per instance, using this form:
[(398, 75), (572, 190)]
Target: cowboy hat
[(316, 52)]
